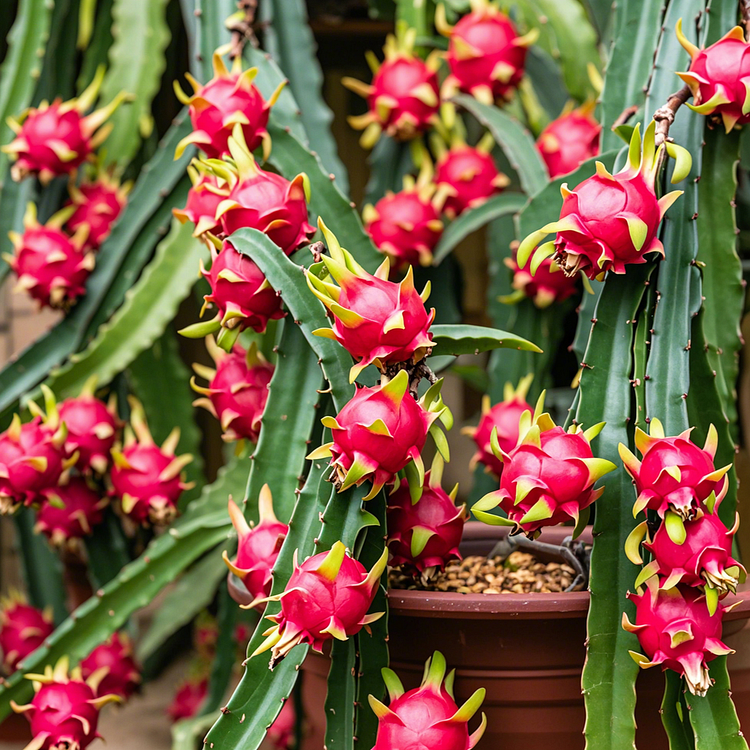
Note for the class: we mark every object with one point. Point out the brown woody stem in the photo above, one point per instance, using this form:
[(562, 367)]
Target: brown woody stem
[(242, 28), (745, 10), (664, 116)]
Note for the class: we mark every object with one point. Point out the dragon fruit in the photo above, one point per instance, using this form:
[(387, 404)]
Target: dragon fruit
[(262, 200), (97, 205), (486, 56), (327, 597), (64, 712), (376, 320), (466, 176), (51, 266), (375, 435), (281, 732), (242, 295), (406, 225), (502, 419), (677, 631), (569, 140), (188, 698), (237, 390), (23, 629), (113, 666), (544, 283), (428, 716), (54, 139), (227, 100), (609, 221), (145, 477), (548, 479), (719, 76), (675, 477), (404, 97), (203, 202), (69, 512), (425, 535), (257, 546)]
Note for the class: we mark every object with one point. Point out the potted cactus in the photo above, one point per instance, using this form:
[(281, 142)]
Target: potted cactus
[(333, 329)]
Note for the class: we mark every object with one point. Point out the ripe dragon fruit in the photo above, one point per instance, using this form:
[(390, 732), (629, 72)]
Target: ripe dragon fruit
[(502, 420), (676, 630), (569, 140), (544, 283), (257, 546), (188, 698), (237, 390), (466, 176), (424, 535), (406, 225), (719, 76), (69, 512), (376, 320), (327, 597), (146, 478), (242, 295), (113, 666), (379, 432), (548, 479), (262, 200), (227, 100), (404, 97), (51, 266), (203, 202), (675, 476), (64, 712), (281, 733), (54, 139), (428, 716), (610, 221), (23, 629), (486, 56), (97, 205)]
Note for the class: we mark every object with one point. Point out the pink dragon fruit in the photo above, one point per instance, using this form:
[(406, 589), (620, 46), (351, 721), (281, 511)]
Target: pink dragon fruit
[(203, 202), (145, 477), (281, 732), (425, 535), (428, 716), (237, 390), (548, 479), (51, 266), (242, 295), (404, 97), (544, 283), (569, 140), (113, 666), (69, 512), (375, 435), (97, 205), (676, 630), (327, 597), (376, 320), (466, 177), (609, 221), (64, 712), (188, 698), (23, 629), (257, 546), (502, 419), (675, 477), (227, 100), (718, 77), (486, 56), (54, 139), (406, 225)]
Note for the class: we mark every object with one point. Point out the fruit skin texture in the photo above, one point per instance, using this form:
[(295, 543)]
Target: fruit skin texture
[(97, 206), (122, 675), (257, 546), (327, 597), (188, 699), (66, 526), (23, 629), (503, 417), (428, 716), (92, 430), (203, 202), (718, 77), (569, 140), (545, 286), (676, 630), (237, 390)]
